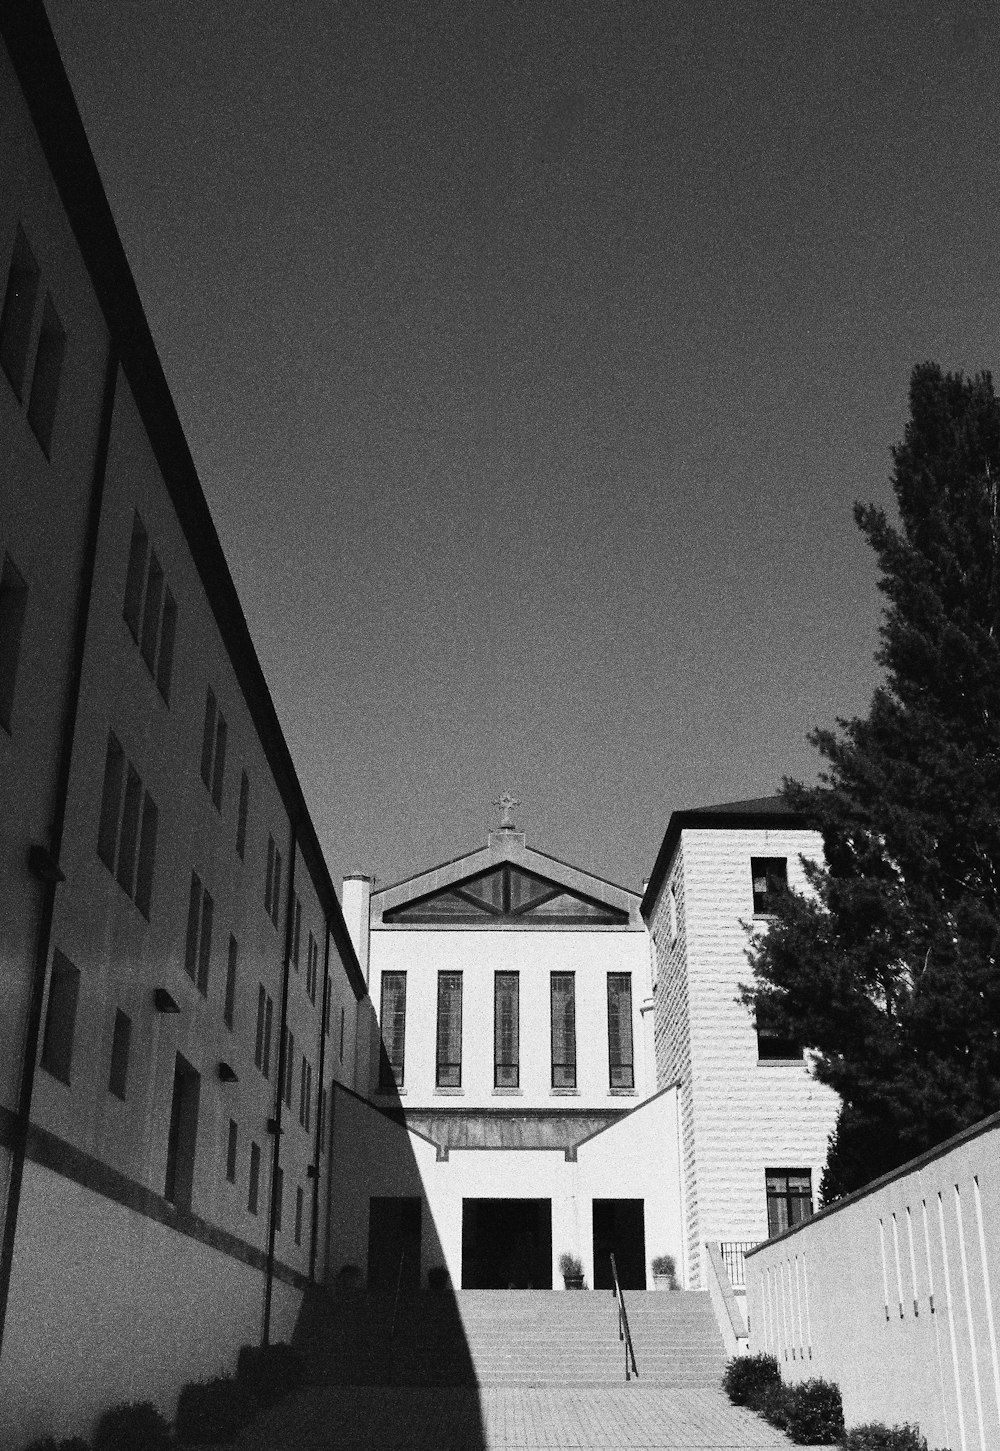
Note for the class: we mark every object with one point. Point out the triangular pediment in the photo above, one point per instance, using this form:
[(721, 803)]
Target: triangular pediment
[(510, 894)]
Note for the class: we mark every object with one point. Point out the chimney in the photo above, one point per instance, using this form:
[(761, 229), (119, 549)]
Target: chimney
[(356, 895)]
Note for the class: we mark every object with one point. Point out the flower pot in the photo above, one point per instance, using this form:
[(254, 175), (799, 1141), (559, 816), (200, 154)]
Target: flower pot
[(663, 1282), (573, 1282)]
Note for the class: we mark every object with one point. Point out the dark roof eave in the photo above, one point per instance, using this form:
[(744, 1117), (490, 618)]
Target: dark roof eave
[(49, 97), (730, 815)]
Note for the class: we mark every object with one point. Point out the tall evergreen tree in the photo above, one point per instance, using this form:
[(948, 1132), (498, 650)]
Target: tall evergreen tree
[(889, 971)]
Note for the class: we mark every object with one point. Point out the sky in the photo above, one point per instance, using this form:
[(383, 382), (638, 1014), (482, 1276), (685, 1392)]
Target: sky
[(532, 354)]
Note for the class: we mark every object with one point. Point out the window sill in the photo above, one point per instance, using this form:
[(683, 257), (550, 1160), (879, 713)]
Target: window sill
[(781, 1062), (508, 1093), (449, 1092), (623, 1092), (390, 1093), (564, 1092)]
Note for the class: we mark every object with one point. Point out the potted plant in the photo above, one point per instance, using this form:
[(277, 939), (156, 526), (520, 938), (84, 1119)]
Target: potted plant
[(571, 1269), (665, 1273)]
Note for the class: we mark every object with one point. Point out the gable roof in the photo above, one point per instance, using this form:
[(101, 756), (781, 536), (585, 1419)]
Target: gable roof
[(506, 884), (759, 811)]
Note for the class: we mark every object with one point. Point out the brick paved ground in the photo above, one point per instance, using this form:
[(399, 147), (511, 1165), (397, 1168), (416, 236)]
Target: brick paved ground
[(508, 1418)]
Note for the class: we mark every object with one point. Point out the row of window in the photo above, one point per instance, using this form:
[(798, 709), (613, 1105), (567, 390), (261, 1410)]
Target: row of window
[(18, 331), (506, 1030), (57, 1056), (253, 1184)]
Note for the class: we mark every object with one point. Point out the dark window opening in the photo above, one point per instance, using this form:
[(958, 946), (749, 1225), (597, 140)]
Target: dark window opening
[(45, 382), (253, 1191), (60, 1020), (449, 1030), (622, 1069), (392, 1021), (230, 1002), (563, 988), (506, 1030), (183, 1135), (789, 1198), (18, 313), (770, 881), (120, 1044), (231, 1150), (241, 820), (13, 607)]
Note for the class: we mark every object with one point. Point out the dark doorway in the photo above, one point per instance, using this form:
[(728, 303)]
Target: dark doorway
[(619, 1228), (506, 1244), (182, 1138), (394, 1239)]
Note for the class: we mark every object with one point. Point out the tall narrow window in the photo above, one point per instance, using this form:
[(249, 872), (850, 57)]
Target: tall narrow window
[(789, 1198), (258, 1053), (147, 856), (289, 1066), (305, 1095), (231, 967), (129, 840), (241, 820), (268, 1023), (48, 370), (392, 1021), (449, 1030), (342, 1017), (231, 1151), (111, 795), (154, 629), (135, 576), (272, 888), (506, 1068), (168, 633), (298, 1213), (208, 737), (563, 1030), (151, 612), (60, 1020), (120, 1043), (183, 1134), (296, 930), (198, 947), (279, 1195), (18, 313), (13, 605), (622, 1069), (219, 763), (254, 1179)]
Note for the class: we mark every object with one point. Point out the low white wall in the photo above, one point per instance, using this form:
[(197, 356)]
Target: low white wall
[(107, 1305), (893, 1294)]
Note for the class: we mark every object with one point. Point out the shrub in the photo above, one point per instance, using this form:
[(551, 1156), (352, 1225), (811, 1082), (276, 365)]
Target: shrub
[(214, 1411), (664, 1265), (815, 1413), (437, 1277), (570, 1264), (876, 1437), (773, 1402), (270, 1371), (137, 1426), (746, 1377), (49, 1443)]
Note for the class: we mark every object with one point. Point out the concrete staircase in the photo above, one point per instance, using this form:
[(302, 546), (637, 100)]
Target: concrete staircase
[(509, 1338)]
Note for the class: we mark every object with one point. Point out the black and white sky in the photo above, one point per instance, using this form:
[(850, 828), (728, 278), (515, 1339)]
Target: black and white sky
[(532, 354)]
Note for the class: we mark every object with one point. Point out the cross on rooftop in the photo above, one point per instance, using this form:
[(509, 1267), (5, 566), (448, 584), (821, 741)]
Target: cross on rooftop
[(505, 805)]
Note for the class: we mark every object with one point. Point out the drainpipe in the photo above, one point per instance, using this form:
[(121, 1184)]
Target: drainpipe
[(265, 1338), (43, 862), (324, 1009)]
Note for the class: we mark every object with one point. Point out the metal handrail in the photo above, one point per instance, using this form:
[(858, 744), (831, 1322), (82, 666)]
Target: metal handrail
[(395, 1299), (624, 1333)]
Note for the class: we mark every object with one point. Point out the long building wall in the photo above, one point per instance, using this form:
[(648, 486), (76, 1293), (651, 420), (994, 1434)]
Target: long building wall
[(894, 1293), (190, 989)]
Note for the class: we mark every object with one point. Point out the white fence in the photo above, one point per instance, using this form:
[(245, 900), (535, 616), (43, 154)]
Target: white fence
[(892, 1293)]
